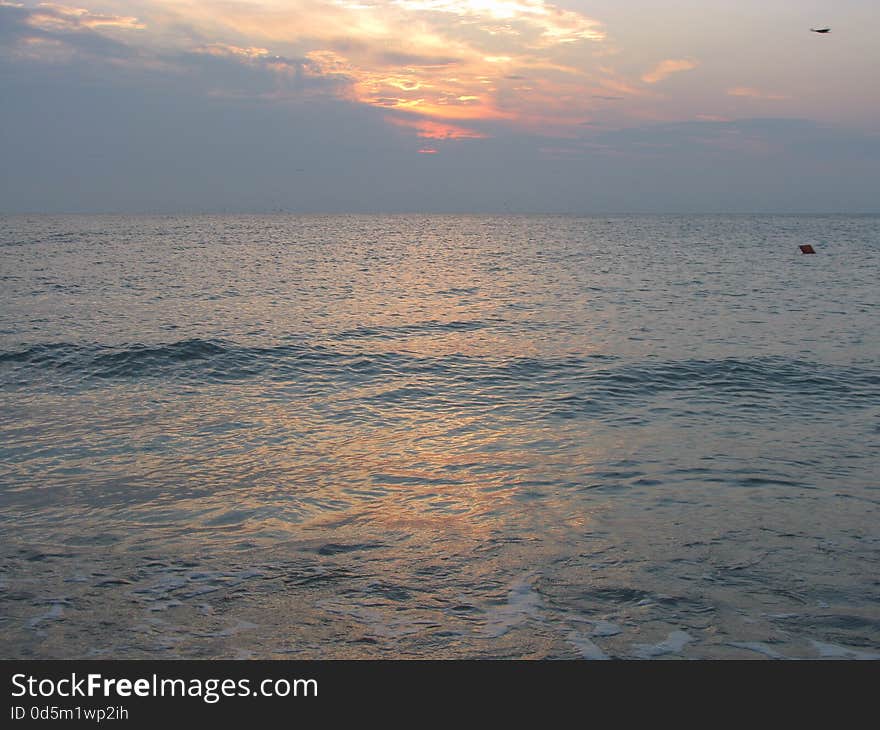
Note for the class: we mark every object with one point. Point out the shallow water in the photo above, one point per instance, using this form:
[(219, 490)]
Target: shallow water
[(439, 436)]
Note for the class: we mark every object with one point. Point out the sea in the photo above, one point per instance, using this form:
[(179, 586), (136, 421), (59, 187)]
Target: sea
[(439, 436)]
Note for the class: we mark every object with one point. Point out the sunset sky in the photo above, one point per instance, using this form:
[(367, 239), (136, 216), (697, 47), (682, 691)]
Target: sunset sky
[(578, 106)]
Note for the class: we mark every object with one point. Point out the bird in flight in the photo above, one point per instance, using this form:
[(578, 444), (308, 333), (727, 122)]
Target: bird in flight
[(821, 30)]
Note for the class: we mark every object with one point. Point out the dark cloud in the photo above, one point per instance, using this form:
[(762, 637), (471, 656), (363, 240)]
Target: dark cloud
[(12, 20), (224, 70), (208, 69), (17, 26), (761, 138)]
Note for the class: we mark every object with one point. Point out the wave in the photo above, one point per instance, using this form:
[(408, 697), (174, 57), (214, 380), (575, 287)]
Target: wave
[(561, 385)]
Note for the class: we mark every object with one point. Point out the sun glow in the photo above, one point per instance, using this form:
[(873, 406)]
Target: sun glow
[(440, 60), (454, 66)]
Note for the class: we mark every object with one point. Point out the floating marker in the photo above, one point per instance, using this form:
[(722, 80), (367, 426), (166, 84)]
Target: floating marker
[(807, 248)]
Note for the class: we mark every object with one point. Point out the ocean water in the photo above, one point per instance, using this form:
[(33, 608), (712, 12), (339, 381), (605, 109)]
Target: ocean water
[(439, 437)]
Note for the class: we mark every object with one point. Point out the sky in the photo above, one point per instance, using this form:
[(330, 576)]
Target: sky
[(485, 106)]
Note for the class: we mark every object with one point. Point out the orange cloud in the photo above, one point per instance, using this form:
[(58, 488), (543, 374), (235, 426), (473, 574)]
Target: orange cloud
[(222, 49), (444, 60), (446, 63), (62, 17), (666, 68)]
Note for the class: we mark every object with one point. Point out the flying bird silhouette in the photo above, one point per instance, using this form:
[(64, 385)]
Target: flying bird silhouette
[(821, 30)]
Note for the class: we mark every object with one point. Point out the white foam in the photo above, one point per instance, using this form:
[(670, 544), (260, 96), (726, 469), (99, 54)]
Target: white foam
[(673, 644), (833, 651), (523, 603), (587, 649)]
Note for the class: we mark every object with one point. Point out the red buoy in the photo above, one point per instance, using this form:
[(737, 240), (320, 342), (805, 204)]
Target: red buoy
[(807, 248)]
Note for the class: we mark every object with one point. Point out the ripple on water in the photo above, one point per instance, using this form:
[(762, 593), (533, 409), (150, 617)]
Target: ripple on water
[(439, 436)]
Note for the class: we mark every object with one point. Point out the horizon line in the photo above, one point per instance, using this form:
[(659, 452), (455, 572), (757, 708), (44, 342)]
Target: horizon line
[(522, 213)]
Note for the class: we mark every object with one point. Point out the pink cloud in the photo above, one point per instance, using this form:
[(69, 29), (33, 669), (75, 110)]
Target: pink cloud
[(745, 91), (668, 67)]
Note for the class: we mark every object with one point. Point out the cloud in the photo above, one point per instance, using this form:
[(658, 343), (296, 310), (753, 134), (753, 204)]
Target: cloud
[(430, 129), (142, 104), (666, 68), (456, 69), (50, 16), (437, 59), (103, 45), (57, 34), (551, 23), (226, 50), (397, 58), (745, 91), (514, 63), (759, 139)]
